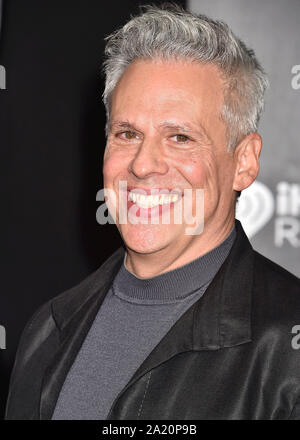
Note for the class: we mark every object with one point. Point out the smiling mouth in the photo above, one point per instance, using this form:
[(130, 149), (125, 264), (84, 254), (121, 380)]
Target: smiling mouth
[(146, 202)]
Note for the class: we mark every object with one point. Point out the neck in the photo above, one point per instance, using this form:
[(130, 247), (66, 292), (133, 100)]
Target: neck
[(170, 258)]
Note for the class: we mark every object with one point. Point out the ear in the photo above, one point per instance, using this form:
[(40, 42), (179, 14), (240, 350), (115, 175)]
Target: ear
[(246, 157)]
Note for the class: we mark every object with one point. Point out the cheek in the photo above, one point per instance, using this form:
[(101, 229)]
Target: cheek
[(197, 171), (113, 165)]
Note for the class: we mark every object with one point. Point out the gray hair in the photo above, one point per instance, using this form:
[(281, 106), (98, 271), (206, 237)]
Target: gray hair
[(170, 32)]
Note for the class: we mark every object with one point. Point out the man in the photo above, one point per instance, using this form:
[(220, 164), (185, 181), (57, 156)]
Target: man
[(188, 321)]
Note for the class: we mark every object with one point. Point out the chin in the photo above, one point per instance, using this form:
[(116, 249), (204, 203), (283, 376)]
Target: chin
[(144, 240)]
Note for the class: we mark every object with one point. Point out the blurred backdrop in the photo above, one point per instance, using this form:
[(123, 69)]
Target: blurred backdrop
[(52, 142)]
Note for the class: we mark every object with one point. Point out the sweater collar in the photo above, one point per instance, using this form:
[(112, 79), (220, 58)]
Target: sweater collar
[(174, 285)]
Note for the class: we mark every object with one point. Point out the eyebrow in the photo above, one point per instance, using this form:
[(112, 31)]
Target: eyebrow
[(122, 124), (167, 125)]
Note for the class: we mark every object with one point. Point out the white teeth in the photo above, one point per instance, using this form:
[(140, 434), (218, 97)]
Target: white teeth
[(146, 202)]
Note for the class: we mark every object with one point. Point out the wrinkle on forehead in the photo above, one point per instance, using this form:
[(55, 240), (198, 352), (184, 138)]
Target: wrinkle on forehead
[(150, 93)]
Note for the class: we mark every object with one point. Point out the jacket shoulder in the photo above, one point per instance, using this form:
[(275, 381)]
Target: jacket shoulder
[(73, 296), (274, 273), (67, 302), (276, 294)]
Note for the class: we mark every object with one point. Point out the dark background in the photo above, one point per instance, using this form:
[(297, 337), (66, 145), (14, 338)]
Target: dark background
[(52, 142)]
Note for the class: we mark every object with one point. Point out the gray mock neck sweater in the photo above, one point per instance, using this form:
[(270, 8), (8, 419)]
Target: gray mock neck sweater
[(135, 315)]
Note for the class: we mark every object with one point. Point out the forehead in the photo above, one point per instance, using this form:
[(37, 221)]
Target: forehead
[(157, 87)]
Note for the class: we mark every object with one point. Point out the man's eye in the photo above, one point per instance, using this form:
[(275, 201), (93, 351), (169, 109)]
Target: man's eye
[(127, 135), (181, 138)]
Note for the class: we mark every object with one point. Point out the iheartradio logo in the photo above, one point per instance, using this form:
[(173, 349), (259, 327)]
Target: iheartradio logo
[(258, 205), (255, 208)]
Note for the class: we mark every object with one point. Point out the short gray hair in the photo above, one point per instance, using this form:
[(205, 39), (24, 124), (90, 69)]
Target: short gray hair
[(170, 32)]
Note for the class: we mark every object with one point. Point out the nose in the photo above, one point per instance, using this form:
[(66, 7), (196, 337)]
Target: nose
[(148, 160)]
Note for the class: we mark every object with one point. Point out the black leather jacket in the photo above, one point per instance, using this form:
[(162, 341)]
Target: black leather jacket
[(230, 356)]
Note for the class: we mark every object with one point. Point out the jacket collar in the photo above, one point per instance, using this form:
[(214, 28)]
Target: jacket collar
[(220, 318)]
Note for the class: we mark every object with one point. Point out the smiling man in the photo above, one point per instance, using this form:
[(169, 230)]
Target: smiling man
[(166, 133), (187, 321)]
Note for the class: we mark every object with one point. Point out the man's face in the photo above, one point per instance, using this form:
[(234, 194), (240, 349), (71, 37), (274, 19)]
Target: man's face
[(166, 133)]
